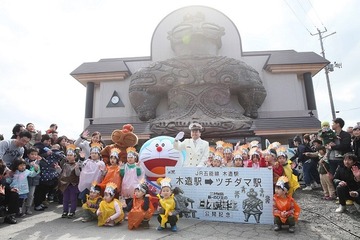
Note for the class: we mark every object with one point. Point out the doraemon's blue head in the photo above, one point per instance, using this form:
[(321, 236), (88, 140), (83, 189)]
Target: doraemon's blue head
[(158, 153)]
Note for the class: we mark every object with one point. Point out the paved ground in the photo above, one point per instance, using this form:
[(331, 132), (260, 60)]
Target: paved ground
[(317, 221)]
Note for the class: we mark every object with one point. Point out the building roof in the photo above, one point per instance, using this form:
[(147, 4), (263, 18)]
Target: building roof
[(285, 125)]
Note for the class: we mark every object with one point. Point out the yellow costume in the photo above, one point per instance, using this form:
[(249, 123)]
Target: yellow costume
[(107, 210), (293, 180), (168, 205), (93, 202)]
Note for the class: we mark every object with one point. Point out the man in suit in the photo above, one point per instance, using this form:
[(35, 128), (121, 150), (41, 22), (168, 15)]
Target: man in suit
[(197, 150)]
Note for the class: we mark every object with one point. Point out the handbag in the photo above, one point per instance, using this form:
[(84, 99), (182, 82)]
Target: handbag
[(329, 174)]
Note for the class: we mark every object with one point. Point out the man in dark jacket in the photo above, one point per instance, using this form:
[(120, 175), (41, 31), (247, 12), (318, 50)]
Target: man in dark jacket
[(346, 183), (356, 140), (342, 144), (311, 175)]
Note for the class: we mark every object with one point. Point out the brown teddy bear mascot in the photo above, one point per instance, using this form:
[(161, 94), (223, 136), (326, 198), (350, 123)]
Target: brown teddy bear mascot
[(122, 139)]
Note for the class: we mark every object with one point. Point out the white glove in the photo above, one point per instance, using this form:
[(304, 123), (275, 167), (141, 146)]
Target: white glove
[(179, 136)]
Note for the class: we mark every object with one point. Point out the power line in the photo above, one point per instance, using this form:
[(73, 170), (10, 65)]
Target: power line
[(305, 12), (317, 15), (296, 16)]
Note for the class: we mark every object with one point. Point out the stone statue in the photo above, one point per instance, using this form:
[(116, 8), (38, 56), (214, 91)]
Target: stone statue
[(198, 84)]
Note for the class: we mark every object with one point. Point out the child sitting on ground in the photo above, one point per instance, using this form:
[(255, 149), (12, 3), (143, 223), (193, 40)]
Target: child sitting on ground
[(92, 203), (110, 210), (286, 211), (140, 208), (168, 211)]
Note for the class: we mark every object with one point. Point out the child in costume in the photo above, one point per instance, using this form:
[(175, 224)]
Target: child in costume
[(271, 160), (140, 208), (110, 210), (131, 174), (228, 154), (286, 211), (112, 173), (288, 172), (218, 159), (92, 170), (92, 203), (19, 181), (219, 146), (168, 210), (238, 160), (211, 157), (68, 182)]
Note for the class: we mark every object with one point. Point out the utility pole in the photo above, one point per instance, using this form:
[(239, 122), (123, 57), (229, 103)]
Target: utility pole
[(321, 37)]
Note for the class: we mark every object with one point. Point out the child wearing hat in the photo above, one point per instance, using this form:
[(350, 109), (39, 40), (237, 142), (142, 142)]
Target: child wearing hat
[(168, 210), (112, 173), (288, 172), (110, 210), (218, 159), (140, 208), (238, 160), (327, 135), (228, 154), (285, 210), (91, 171), (92, 203), (210, 157), (131, 174), (68, 182)]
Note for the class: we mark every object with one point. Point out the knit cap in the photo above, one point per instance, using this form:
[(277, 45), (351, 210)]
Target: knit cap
[(325, 123)]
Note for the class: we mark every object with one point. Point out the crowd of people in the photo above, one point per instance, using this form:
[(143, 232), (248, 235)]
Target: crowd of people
[(36, 169)]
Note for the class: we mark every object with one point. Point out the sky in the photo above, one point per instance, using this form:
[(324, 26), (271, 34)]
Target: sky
[(42, 42)]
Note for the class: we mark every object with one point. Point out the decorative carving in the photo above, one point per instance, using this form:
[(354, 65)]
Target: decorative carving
[(198, 84)]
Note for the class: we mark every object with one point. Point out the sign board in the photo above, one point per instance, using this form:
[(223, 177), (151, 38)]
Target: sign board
[(226, 194)]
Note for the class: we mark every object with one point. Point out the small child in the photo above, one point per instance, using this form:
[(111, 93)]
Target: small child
[(286, 211), (140, 208), (91, 171), (112, 173), (325, 177), (211, 157), (19, 181), (92, 203), (32, 159), (327, 136), (238, 160), (218, 159), (228, 154), (168, 210), (110, 210), (288, 172), (68, 182), (131, 174)]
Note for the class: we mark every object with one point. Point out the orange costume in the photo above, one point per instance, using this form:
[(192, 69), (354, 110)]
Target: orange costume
[(112, 175), (287, 204), (137, 214)]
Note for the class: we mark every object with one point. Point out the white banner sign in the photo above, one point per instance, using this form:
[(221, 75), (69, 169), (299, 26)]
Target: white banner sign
[(226, 194)]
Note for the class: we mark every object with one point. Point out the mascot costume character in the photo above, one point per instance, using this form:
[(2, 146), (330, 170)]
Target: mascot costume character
[(122, 139), (156, 154)]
